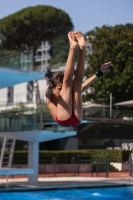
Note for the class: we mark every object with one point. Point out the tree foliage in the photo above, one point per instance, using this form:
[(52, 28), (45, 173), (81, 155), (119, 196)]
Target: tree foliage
[(60, 50), (112, 44), (32, 25)]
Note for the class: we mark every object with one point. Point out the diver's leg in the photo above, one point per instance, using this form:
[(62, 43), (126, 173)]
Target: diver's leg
[(64, 102), (79, 74)]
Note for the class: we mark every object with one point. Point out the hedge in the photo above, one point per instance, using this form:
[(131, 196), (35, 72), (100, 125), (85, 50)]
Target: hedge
[(45, 157)]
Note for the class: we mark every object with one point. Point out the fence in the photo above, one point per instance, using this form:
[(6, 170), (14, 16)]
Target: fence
[(96, 164), (29, 119), (19, 61), (76, 165), (130, 164)]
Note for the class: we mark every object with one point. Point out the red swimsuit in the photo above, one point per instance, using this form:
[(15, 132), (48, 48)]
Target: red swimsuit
[(71, 122)]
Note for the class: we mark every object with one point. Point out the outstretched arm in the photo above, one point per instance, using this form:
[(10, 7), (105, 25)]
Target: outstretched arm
[(88, 82), (93, 78)]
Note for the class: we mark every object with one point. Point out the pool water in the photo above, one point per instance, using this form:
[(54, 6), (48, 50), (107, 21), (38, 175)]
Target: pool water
[(122, 193)]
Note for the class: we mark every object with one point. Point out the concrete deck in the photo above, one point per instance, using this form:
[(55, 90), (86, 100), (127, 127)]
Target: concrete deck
[(21, 184)]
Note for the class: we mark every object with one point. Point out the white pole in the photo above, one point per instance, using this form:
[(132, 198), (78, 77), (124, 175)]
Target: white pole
[(110, 105), (33, 160)]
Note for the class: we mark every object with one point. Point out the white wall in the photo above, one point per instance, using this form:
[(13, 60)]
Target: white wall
[(20, 93), (3, 96)]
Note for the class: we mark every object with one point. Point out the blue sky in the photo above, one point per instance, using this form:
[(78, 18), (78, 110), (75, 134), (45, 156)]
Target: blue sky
[(85, 14)]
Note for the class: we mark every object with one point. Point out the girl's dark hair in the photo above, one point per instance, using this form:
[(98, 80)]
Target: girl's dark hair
[(58, 77)]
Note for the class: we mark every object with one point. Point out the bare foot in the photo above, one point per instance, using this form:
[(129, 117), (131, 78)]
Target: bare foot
[(80, 39), (72, 40), (105, 66)]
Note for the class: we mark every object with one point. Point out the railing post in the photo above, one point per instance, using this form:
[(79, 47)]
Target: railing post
[(91, 162), (54, 166), (41, 121), (73, 165), (130, 165), (97, 167), (78, 163), (107, 166)]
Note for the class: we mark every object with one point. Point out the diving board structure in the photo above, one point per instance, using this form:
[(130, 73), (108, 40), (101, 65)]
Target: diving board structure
[(33, 137), (7, 152), (10, 77), (15, 171)]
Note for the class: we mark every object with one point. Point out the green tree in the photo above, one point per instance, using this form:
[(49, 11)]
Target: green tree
[(28, 27), (112, 44), (60, 50)]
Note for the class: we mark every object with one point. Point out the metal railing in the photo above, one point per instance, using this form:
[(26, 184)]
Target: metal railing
[(123, 113), (96, 164), (117, 114), (76, 165), (19, 61), (30, 118)]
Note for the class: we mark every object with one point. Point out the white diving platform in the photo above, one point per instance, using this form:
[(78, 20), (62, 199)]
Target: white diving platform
[(15, 171), (37, 135), (33, 137)]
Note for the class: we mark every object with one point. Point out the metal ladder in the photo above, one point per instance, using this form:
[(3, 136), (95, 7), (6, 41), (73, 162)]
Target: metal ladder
[(7, 152)]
